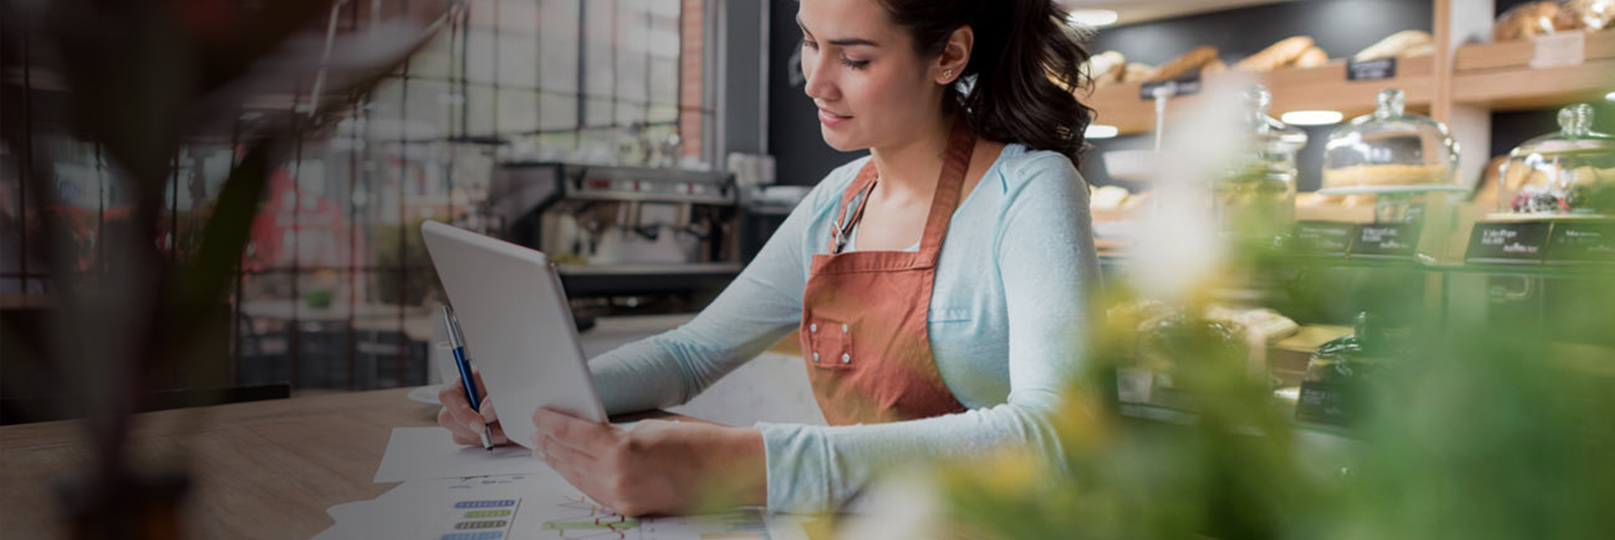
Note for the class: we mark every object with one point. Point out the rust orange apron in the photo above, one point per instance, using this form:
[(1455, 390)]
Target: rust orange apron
[(864, 329)]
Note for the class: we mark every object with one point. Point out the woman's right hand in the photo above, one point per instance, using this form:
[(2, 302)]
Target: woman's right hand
[(464, 423)]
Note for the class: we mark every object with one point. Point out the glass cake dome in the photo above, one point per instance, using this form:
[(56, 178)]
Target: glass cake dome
[(1569, 172), (1390, 150)]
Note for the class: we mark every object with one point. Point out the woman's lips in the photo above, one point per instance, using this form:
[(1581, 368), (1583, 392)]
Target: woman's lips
[(829, 119)]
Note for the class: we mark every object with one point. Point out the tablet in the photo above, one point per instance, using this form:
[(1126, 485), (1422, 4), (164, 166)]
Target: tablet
[(518, 327)]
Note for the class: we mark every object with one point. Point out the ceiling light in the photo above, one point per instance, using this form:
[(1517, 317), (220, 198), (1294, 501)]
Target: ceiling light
[(1092, 17), (1312, 118), (1610, 96), (1100, 131)]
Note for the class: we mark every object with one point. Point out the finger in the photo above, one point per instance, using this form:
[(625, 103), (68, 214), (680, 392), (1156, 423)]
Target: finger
[(574, 432), (454, 400), (556, 450), (488, 414), (462, 434), (579, 478)]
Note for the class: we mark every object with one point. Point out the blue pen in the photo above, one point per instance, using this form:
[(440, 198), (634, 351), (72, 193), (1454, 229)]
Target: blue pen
[(457, 343)]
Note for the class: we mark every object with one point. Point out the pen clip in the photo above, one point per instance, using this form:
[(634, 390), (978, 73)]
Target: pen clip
[(456, 339)]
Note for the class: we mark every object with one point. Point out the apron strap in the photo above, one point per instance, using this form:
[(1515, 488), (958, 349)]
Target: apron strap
[(858, 192), (955, 163), (948, 187)]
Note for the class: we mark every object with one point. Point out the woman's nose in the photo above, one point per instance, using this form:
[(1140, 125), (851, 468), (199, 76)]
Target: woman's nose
[(820, 79)]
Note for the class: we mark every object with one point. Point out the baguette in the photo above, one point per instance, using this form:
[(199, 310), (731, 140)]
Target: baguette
[(1275, 55), (1137, 72), (1395, 45), (1313, 57), (1185, 64), (1213, 67)]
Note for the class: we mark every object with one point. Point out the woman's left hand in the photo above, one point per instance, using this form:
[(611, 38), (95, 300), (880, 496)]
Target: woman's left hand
[(657, 467)]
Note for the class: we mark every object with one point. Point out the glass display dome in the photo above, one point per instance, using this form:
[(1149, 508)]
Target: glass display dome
[(1569, 172), (1390, 150), (1259, 192)]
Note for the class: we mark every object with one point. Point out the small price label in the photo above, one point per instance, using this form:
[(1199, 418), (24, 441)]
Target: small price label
[(1327, 403), (1561, 49), (1580, 243), (1324, 238), (1508, 243), (1386, 241), (1371, 70)]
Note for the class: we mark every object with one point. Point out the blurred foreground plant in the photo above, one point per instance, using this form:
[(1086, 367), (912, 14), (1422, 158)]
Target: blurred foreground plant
[(139, 79), (1494, 431)]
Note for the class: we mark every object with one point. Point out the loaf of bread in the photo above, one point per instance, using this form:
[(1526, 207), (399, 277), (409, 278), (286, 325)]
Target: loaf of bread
[(1384, 175), (1213, 67), (1275, 55), (1313, 57), (1138, 72), (1585, 14), (1404, 43), (1185, 64), (1526, 20)]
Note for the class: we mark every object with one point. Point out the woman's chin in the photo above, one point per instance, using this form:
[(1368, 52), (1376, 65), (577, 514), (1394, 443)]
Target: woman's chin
[(839, 141)]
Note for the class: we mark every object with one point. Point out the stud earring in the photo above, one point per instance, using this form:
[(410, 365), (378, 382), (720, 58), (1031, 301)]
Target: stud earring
[(948, 75)]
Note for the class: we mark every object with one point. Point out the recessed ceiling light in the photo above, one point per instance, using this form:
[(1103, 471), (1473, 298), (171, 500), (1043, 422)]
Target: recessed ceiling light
[(1100, 131), (1092, 17), (1312, 118)]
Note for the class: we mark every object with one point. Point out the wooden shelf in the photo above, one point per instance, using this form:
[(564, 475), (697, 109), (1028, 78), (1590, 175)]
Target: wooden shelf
[(1517, 54), (1323, 87), (1499, 76)]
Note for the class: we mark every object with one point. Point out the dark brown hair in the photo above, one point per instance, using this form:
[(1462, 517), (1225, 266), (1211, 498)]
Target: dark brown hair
[(1019, 46)]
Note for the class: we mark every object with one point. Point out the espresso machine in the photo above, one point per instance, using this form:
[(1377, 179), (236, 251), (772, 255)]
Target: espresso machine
[(622, 237)]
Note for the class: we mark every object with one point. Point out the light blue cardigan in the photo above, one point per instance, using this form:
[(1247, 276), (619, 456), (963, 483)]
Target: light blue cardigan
[(1007, 328)]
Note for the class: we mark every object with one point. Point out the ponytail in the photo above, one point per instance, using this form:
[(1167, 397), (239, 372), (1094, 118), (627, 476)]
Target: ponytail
[(1024, 60)]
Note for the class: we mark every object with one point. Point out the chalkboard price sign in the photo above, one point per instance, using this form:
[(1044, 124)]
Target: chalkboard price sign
[(1324, 238), (1582, 242), (1327, 403), (1508, 243), (1371, 70), (1386, 241)]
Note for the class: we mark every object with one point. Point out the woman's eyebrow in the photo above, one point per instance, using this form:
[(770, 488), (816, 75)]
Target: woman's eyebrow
[(844, 42)]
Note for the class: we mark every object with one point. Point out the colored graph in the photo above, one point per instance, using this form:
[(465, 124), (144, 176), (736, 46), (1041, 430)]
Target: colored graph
[(589, 520)]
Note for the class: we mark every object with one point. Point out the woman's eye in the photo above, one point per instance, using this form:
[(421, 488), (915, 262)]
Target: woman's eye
[(809, 43), (854, 64)]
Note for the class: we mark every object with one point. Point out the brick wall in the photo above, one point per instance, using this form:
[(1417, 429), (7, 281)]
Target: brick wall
[(693, 40)]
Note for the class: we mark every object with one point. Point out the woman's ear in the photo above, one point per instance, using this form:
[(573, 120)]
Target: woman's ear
[(955, 56)]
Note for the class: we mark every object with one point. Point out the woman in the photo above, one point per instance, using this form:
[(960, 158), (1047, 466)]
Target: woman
[(938, 285)]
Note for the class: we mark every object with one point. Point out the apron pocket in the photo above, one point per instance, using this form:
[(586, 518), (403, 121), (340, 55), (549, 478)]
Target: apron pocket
[(829, 344)]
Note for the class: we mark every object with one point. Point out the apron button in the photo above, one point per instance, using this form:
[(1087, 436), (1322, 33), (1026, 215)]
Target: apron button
[(815, 357), (846, 358), (813, 327), (845, 330)]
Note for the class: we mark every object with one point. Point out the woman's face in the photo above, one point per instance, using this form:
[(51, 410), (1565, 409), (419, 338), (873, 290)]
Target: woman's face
[(871, 89)]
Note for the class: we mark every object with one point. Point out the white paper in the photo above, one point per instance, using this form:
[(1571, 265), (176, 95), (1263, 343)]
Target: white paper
[(430, 452), (536, 506)]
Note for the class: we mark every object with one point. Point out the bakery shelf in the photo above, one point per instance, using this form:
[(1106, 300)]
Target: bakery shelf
[(1525, 88), (1517, 54), (1322, 87)]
